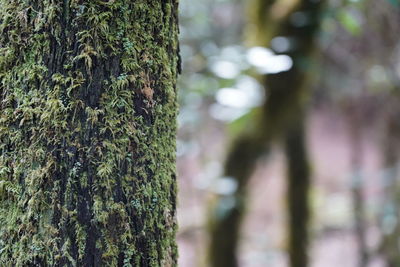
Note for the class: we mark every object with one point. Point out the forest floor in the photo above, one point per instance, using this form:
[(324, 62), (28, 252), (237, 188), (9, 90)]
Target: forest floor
[(263, 240)]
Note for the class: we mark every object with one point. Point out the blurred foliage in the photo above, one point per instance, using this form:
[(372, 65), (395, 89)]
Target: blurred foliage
[(218, 80), (215, 57), (358, 69)]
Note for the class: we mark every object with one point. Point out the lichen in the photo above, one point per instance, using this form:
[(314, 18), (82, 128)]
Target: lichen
[(87, 157)]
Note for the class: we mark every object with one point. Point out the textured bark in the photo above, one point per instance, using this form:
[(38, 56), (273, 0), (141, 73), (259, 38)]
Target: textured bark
[(87, 132)]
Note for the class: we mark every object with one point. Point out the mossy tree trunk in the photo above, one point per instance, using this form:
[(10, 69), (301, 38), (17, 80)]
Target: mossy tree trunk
[(87, 132)]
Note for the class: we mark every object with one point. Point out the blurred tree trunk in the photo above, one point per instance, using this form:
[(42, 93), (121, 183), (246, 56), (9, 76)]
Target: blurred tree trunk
[(282, 116), (228, 212), (87, 133), (386, 23), (298, 191), (354, 116), (390, 214)]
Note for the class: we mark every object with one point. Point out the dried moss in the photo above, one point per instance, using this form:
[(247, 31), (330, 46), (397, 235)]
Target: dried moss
[(87, 132)]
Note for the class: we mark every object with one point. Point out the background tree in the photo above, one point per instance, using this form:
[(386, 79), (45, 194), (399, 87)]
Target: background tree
[(368, 56), (280, 118), (352, 111), (87, 132)]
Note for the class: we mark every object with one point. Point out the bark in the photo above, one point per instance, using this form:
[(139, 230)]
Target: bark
[(87, 132)]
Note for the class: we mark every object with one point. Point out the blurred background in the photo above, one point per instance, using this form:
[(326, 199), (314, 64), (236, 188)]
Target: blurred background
[(289, 140)]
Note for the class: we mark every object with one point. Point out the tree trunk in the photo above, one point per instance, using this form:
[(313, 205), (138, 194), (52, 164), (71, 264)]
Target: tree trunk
[(87, 132), (282, 116), (299, 181), (389, 214), (227, 214)]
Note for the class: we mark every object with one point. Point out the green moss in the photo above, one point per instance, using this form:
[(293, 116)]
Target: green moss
[(87, 132)]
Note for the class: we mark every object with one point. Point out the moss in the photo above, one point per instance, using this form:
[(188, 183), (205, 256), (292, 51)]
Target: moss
[(87, 132)]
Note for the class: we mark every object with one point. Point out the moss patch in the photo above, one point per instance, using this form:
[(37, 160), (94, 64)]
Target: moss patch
[(87, 132)]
